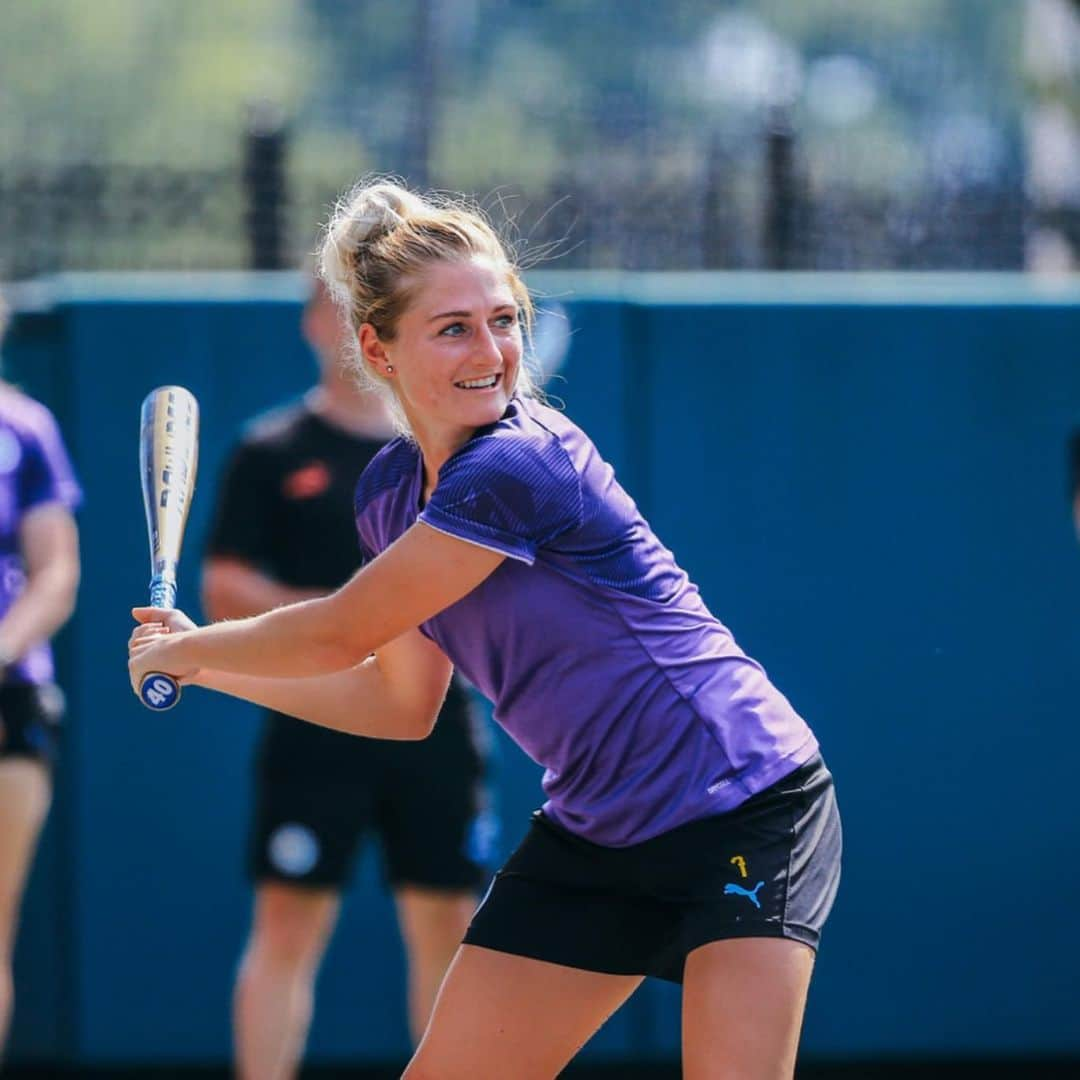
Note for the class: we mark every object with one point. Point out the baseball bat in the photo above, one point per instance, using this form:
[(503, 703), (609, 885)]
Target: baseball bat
[(168, 461)]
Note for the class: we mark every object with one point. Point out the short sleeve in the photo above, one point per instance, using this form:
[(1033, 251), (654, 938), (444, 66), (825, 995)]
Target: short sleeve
[(242, 509), (511, 493), (45, 472)]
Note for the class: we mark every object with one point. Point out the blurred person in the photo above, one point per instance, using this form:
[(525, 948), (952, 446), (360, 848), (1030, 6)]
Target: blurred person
[(690, 830), (284, 531), (39, 578)]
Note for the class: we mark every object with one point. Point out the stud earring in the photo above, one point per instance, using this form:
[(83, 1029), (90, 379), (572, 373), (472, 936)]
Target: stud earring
[(389, 369)]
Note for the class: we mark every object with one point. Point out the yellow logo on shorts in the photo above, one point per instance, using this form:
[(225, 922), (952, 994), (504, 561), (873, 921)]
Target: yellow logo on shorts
[(740, 862)]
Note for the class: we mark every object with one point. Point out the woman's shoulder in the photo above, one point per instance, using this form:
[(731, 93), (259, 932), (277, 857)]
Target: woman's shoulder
[(31, 425), (24, 413), (515, 478), (529, 431)]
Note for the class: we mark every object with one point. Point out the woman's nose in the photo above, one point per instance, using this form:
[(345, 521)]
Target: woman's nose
[(488, 345)]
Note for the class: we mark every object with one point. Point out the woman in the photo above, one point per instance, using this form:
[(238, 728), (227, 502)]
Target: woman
[(690, 830), (39, 575)]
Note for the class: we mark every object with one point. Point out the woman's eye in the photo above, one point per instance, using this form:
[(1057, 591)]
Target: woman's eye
[(506, 321), (453, 330)]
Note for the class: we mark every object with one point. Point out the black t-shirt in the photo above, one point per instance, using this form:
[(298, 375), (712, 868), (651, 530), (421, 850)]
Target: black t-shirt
[(285, 504)]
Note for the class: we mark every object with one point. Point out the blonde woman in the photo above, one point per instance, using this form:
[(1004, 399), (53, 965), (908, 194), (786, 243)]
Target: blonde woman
[(690, 830)]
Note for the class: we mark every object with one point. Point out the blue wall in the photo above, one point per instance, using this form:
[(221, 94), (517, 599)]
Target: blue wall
[(865, 476)]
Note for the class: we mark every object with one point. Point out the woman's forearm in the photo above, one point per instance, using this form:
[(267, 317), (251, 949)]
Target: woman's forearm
[(294, 642), (358, 701), (420, 574), (49, 544)]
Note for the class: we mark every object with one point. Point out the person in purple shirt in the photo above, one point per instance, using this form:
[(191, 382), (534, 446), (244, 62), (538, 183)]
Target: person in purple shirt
[(39, 575), (690, 830)]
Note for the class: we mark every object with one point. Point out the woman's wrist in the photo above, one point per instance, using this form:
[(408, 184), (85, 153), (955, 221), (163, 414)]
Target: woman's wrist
[(200, 677), (178, 649)]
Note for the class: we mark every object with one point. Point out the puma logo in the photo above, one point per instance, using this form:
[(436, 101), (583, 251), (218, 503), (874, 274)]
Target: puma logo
[(731, 889)]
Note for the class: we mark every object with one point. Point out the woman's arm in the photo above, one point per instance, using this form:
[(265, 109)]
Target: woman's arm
[(49, 542), (416, 577), (395, 694)]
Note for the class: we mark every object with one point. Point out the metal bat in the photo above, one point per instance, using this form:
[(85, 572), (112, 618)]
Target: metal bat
[(168, 461)]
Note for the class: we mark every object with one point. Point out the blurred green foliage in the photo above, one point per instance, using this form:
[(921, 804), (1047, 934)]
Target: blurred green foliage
[(532, 93)]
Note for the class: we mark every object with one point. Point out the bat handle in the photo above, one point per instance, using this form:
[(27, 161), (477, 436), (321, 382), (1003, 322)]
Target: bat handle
[(157, 690), (162, 592)]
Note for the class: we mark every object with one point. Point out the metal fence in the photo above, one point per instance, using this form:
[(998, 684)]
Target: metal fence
[(617, 133)]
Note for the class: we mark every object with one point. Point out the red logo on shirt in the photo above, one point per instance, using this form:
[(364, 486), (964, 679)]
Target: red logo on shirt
[(307, 482)]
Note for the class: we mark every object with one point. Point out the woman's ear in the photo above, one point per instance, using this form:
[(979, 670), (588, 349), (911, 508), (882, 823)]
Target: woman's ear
[(372, 349)]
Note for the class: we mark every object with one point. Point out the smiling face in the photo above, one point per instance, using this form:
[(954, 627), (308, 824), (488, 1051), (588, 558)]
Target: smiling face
[(456, 351)]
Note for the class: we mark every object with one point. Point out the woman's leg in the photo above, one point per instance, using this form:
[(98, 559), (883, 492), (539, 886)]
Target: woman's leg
[(499, 1015), (25, 792), (743, 1003)]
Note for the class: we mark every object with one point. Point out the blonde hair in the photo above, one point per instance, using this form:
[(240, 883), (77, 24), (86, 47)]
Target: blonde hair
[(380, 239)]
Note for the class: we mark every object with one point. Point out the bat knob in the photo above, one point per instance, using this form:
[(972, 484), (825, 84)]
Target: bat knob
[(159, 691)]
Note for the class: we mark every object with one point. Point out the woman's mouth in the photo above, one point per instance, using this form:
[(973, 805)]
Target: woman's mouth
[(486, 382)]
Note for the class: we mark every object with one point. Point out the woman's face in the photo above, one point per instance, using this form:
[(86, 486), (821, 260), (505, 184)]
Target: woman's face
[(457, 350)]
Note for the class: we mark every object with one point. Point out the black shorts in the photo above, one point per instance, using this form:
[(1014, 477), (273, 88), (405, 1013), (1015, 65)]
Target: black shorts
[(30, 721), (318, 792), (768, 868)]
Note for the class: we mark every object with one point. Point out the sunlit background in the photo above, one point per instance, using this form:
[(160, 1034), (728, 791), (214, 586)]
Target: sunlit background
[(684, 134)]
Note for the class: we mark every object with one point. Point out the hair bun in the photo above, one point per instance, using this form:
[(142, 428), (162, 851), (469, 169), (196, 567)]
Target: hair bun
[(368, 212)]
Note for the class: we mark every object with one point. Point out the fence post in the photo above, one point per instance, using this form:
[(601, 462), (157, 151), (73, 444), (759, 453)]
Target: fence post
[(781, 194), (265, 157)]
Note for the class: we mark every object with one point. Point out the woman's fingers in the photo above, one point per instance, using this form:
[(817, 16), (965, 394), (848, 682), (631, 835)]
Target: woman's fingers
[(147, 640), (173, 618), (149, 614)]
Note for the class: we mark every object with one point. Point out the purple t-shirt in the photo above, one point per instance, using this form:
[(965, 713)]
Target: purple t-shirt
[(34, 471), (602, 661)]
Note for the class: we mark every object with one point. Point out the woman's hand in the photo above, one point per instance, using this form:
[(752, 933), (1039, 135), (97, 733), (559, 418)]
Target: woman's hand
[(154, 644)]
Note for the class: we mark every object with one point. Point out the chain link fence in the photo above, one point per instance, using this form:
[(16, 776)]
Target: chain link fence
[(692, 134)]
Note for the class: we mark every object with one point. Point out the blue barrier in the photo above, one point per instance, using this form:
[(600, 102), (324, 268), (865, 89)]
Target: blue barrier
[(866, 478)]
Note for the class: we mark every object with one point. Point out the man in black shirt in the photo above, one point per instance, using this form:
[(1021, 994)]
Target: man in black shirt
[(284, 531)]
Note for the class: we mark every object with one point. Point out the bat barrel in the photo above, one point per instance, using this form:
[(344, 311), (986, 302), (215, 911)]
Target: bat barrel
[(168, 461)]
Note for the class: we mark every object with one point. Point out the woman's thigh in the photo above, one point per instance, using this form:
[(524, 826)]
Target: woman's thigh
[(25, 791), (499, 1015), (743, 1002)]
